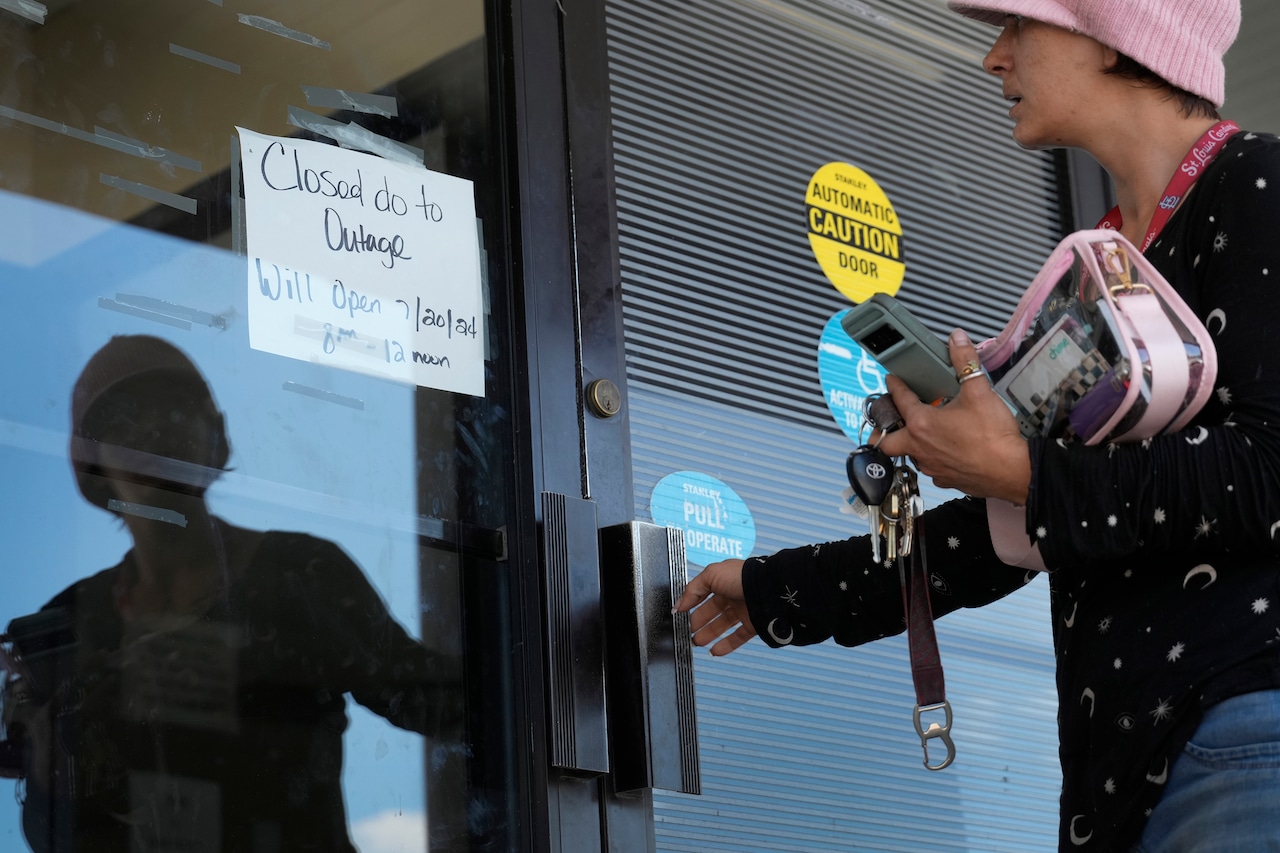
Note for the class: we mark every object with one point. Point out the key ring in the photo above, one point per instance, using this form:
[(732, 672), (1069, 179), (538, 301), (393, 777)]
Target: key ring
[(880, 411)]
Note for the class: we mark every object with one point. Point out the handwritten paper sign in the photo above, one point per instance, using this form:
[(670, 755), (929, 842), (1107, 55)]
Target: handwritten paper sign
[(362, 263)]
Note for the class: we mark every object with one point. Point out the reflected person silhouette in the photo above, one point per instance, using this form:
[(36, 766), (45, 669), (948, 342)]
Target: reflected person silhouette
[(192, 697)]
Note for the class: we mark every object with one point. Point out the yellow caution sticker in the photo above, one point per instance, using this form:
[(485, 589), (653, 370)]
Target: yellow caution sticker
[(854, 232)]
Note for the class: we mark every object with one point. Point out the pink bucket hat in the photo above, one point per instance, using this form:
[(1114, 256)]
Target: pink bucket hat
[(1181, 40)]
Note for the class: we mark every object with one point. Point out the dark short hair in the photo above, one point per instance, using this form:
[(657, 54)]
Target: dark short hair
[(1190, 105), (127, 376)]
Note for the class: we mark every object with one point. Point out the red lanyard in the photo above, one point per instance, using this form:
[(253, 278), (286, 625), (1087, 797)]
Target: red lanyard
[(1197, 160)]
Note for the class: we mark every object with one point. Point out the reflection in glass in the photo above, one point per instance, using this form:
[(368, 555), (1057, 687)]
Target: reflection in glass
[(121, 201), (192, 697)]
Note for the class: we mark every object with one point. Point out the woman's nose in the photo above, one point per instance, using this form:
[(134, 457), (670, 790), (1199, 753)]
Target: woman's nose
[(998, 59)]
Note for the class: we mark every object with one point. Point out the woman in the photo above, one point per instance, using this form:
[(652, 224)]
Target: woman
[(1164, 572)]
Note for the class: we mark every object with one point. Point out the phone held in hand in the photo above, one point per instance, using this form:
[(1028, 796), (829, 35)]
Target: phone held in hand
[(903, 346)]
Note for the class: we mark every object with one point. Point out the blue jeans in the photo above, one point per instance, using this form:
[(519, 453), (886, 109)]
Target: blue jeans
[(1223, 794)]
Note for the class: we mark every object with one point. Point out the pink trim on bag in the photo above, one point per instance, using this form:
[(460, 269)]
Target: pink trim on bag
[(1008, 525), (997, 350), (1149, 342)]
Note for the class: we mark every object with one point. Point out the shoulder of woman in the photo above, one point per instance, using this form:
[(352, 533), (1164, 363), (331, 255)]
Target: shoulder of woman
[(1247, 151), (1243, 180), (95, 587), (300, 549), (1255, 140)]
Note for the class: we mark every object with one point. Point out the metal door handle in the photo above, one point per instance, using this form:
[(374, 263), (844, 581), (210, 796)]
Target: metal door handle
[(652, 718), (575, 633)]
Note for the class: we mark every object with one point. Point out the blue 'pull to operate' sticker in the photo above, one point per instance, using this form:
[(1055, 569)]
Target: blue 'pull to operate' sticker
[(716, 522)]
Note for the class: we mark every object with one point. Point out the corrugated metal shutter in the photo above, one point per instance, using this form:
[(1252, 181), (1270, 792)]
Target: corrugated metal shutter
[(722, 112)]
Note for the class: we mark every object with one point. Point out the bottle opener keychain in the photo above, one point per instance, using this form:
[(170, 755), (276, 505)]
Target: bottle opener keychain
[(891, 493)]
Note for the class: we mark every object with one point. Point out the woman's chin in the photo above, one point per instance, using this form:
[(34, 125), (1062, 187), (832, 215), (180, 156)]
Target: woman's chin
[(1028, 140)]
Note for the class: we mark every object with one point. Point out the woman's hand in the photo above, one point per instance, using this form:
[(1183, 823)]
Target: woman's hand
[(721, 615), (971, 444)]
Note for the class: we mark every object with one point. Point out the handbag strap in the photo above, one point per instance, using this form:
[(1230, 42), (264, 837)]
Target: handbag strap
[(1170, 373)]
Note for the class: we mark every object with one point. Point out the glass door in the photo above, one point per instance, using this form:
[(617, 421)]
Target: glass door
[(255, 429)]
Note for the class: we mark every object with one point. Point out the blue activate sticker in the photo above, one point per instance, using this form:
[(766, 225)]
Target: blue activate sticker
[(849, 375), (716, 522)]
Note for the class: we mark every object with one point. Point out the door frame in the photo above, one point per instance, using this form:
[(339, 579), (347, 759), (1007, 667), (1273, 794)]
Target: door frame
[(565, 259), (566, 253)]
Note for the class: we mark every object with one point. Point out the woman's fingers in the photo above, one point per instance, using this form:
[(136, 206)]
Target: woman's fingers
[(711, 614), (717, 612), (971, 444), (724, 628), (899, 442), (734, 641), (695, 592), (964, 358), (723, 578)]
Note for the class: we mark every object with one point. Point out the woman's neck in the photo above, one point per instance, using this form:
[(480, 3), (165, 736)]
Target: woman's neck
[(176, 566), (1142, 153)]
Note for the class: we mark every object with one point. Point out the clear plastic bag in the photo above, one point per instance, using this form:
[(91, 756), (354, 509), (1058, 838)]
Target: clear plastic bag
[(1101, 348)]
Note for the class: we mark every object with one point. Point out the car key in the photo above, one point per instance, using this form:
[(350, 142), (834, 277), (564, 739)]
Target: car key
[(870, 472), (912, 505), (891, 513)]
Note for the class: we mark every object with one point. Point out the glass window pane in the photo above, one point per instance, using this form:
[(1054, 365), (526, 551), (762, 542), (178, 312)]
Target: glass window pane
[(243, 520)]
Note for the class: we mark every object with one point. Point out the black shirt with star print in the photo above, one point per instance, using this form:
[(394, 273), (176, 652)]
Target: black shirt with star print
[(1164, 567)]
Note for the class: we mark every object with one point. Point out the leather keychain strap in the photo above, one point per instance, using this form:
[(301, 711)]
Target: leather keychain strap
[(926, 661)]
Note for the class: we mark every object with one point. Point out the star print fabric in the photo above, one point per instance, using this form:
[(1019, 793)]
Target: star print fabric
[(1165, 568), (1166, 563), (1214, 482), (802, 596)]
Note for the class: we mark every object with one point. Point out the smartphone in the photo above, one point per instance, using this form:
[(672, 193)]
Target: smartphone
[(903, 346)]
